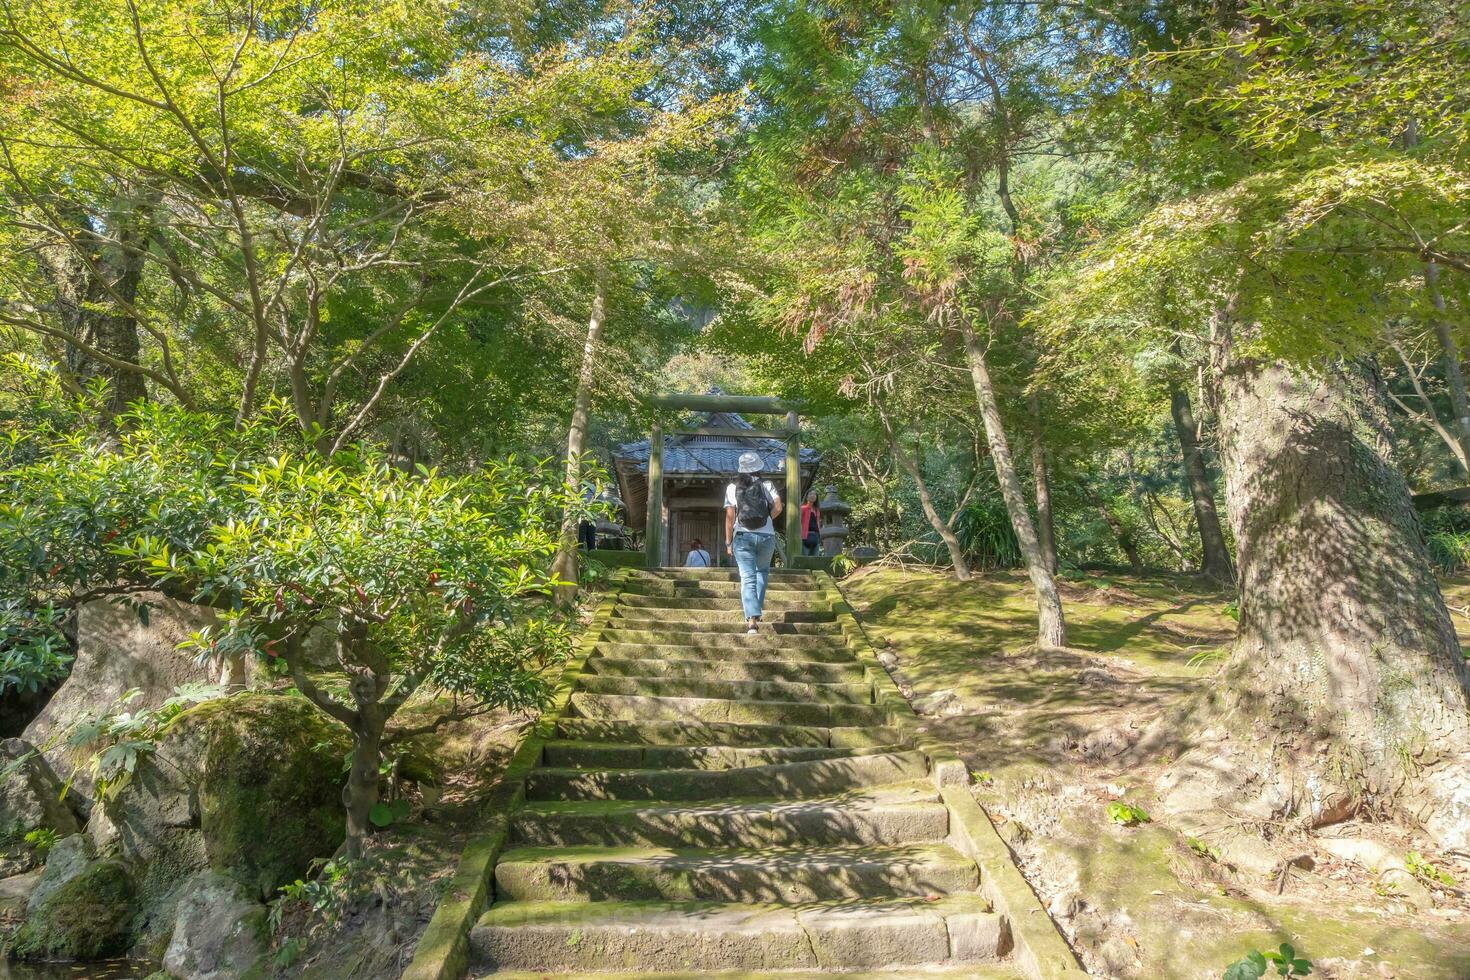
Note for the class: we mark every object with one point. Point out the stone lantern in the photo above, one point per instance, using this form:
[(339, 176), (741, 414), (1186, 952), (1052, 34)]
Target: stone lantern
[(834, 522), (611, 534)]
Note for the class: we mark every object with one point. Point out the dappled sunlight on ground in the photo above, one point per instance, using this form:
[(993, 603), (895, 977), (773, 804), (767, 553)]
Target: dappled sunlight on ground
[(1053, 738)]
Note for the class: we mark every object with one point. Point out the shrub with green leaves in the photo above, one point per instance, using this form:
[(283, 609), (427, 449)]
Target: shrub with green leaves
[(409, 581)]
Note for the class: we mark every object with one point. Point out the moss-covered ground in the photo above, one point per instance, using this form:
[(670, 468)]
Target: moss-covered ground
[(1052, 741)]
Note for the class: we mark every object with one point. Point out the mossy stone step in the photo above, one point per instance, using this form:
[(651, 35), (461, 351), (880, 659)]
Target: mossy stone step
[(686, 574), (651, 938), (790, 780), (903, 813), (972, 971), (562, 754), (802, 671), (651, 732), (774, 620), (689, 687), (794, 875), (675, 644), (586, 704), (787, 601), (713, 589)]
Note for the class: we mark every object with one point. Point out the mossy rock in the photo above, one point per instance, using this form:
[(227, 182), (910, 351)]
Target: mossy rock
[(270, 794), (84, 919)]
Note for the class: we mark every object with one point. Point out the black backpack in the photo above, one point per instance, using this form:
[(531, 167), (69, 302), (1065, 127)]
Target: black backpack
[(752, 505)]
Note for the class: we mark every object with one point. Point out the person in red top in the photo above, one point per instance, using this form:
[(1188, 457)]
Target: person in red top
[(811, 524)]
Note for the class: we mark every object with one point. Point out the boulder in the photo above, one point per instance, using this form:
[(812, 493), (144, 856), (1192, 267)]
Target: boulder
[(15, 893), (119, 650), (67, 861), (250, 785), (83, 918), (220, 933), (30, 799)]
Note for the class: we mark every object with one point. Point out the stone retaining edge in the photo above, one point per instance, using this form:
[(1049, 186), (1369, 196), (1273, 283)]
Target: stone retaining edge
[(443, 949), (1042, 953)]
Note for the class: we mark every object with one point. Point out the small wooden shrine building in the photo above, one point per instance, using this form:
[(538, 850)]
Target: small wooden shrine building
[(695, 464)]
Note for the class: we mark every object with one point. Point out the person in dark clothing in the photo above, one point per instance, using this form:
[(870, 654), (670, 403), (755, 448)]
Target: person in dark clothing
[(751, 504)]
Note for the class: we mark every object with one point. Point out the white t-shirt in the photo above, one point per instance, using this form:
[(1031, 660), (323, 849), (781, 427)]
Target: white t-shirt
[(769, 528), (698, 558)]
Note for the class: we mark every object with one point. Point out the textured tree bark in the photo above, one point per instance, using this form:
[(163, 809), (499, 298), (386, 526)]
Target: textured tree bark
[(1046, 528), (1121, 532), (565, 564), (1454, 377), (1051, 624), (107, 279), (946, 534), (1346, 664), (360, 794), (1217, 562)]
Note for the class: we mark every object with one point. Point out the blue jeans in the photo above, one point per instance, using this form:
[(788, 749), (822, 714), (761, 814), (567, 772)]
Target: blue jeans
[(753, 557)]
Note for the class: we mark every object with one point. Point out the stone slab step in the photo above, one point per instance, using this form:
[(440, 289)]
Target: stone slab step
[(791, 780), (586, 704), (791, 876), (650, 938), (685, 574), (715, 588), (972, 971), (690, 687), (562, 754), (775, 601), (904, 813), (800, 671), (707, 619), (651, 732), (674, 644)]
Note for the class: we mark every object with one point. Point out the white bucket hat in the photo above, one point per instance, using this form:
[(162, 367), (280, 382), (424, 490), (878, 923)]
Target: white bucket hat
[(751, 463)]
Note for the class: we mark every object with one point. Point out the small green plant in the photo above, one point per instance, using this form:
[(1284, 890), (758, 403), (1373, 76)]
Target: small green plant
[(41, 840), (1232, 610), (1206, 657), (1202, 849), (320, 899), (1255, 964), (842, 565), (984, 778), (1126, 814), (1420, 867)]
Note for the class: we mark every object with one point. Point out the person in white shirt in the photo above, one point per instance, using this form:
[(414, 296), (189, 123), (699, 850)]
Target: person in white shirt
[(751, 505), (697, 557)]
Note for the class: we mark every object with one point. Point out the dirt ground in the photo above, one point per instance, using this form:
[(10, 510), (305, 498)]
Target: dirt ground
[(1048, 738)]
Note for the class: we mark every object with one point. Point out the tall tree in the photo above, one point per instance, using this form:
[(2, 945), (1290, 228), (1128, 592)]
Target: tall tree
[(894, 134), (1346, 675), (1217, 562)]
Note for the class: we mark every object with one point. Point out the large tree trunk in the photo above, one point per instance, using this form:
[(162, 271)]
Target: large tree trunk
[(1046, 528), (1346, 663), (1051, 625), (941, 527), (1217, 563), (565, 565)]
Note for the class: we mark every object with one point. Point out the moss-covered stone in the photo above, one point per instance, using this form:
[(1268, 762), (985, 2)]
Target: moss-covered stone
[(84, 919), (270, 794)]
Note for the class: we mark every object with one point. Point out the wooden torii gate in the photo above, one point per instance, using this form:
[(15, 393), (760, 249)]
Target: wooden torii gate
[(790, 433)]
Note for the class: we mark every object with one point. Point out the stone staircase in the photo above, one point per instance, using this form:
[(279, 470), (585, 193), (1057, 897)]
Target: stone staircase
[(707, 802)]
